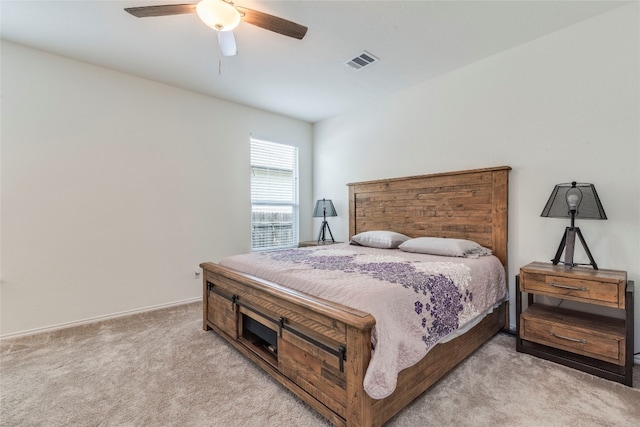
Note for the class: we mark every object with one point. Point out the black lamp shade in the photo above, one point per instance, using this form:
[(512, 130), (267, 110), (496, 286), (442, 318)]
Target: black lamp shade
[(586, 197), (324, 208)]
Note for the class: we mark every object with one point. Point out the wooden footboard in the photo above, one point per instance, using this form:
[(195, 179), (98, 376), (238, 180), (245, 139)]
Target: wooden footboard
[(317, 349), (320, 350)]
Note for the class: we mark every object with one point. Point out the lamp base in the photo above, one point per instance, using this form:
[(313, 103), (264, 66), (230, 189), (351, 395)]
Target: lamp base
[(569, 241), (321, 234)]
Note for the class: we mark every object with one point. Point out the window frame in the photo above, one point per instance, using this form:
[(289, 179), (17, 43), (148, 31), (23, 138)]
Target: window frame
[(275, 160)]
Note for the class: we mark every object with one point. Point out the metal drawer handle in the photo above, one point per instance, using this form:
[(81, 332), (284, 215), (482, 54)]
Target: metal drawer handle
[(573, 288), (581, 341)]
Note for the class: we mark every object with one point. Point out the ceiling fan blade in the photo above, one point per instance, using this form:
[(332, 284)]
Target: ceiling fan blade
[(227, 43), (273, 23), (161, 10)]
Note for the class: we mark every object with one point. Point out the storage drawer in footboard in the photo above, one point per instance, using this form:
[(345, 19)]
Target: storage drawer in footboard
[(316, 367), (221, 310)]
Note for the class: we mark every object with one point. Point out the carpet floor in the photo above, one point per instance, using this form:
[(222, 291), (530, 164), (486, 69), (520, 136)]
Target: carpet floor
[(160, 368)]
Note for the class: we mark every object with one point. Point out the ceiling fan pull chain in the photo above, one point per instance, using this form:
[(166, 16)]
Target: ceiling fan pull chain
[(219, 53)]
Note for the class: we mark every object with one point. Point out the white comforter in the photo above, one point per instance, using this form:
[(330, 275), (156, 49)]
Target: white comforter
[(417, 300)]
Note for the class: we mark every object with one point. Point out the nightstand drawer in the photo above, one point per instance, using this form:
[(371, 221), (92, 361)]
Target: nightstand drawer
[(574, 288), (601, 287), (593, 336)]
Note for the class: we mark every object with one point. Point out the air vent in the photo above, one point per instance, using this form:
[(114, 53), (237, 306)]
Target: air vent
[(362, 60)]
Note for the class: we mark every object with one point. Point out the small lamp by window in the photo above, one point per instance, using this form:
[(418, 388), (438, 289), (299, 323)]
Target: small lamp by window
[(573, 201), (323, 209)]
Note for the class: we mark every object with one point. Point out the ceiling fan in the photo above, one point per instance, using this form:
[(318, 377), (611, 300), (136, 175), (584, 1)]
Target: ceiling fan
[(223, 16)]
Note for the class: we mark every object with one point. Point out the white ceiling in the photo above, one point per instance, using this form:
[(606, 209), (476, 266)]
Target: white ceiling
[(304, 79)]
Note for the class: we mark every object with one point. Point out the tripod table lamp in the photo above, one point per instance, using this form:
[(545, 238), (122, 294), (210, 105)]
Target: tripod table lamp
[(574, 200), (323, 209)]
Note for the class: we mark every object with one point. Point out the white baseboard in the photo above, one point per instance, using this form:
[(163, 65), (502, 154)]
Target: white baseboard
[(98, 318)]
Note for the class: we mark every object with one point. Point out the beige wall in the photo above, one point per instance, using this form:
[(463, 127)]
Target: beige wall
[(561, 108), (115, 188)]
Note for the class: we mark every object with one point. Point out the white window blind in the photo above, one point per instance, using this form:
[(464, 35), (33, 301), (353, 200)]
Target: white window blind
[(274, 195)]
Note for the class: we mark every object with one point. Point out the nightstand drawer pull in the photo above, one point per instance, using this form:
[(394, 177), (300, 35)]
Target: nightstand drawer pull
[(581, 341), (573, 288)]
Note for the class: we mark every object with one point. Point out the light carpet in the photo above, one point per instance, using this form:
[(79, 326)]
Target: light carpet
[(161, 369)]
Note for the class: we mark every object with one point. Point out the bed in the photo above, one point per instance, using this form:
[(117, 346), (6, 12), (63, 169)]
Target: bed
[(321, 350)]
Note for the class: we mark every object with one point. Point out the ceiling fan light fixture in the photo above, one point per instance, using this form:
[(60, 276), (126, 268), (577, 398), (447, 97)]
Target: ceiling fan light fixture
[(218, 14)]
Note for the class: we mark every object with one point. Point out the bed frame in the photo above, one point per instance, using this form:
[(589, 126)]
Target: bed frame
[(320, 350)]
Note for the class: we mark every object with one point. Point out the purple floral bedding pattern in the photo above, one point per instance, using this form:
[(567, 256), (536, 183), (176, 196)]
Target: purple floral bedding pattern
[(416, 299)]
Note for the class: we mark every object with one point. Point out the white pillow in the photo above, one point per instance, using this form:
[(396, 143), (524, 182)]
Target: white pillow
[(445, 247), (379, 239)]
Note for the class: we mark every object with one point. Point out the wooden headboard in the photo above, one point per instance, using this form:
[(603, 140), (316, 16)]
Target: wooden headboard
[(470, 204)]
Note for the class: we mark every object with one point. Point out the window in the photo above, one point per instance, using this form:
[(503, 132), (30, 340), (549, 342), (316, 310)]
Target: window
[(274, 195)]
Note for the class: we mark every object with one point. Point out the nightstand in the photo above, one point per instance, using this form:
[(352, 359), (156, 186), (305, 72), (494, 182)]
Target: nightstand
[(597, 344), (316, 243)]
